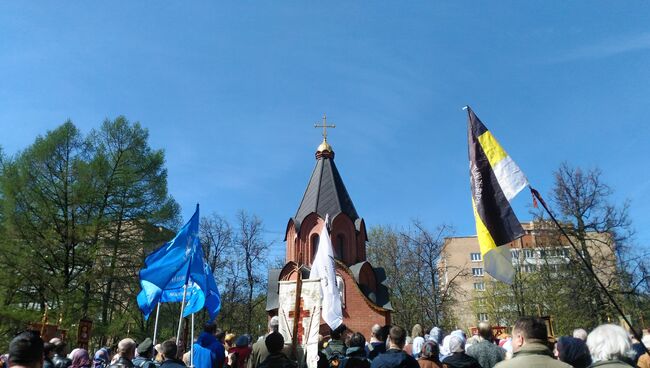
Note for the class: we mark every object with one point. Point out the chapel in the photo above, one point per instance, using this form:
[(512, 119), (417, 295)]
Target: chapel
[(364, 296)]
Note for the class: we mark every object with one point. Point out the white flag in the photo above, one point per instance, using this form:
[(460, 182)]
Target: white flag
[(323, 268)]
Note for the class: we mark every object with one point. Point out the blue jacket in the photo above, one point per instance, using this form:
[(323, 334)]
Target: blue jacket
[(208, 341), (394, 358)]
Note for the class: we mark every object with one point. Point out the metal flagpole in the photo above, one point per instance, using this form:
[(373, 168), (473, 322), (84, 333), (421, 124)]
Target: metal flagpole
[(588, 267), (155, 325), (180, 320), (192, 344)]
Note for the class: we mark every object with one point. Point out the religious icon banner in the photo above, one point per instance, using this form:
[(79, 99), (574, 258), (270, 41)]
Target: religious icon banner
[(309, 323)]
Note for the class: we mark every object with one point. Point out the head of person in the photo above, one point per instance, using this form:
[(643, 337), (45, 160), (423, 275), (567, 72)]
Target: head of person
[(126, 348), (242, 341), (80, 359), (169, 349), (26, 350), (210, 327), (230, 339), (573, 351), (337, 333), (456, 344), (274, 342), (145, 349), (101, 357), (485, 331), (436, 335), (48, 350), (357, 340), (444, 348), (375, 333), (430, 351), (397, 337), (528, 330), (220, 335), (274, 324), (609, 342), (59, 346), (417, 331), (580, 333)]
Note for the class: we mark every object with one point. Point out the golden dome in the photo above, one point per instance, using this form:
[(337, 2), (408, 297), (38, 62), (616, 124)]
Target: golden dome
[(324, 146)]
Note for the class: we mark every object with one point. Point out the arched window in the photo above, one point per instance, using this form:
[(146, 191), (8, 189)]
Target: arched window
[(339, 248), (314, 246)]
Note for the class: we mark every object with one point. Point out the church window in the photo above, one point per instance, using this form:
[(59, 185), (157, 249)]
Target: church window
[(340, 246), (314, 246)]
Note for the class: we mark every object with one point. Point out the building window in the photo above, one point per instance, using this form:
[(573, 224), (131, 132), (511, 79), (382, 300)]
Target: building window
[(340, 246), (515, 254), (314, 246), (481, 301), (530, 268), (477, 271), (476, 257), (529, 253), (479, 286), (482, 317)]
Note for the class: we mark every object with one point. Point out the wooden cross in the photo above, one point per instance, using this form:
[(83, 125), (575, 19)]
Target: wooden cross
[(302, 314), (324, 126)]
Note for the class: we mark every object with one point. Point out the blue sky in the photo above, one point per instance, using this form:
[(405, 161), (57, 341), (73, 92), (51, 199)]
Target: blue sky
[(231, 91)]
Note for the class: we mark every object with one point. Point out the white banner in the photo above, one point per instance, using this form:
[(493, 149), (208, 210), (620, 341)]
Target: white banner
[(309, 314)]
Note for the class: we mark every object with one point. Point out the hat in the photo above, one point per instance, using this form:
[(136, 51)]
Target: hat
[(145, 346), (274, 342), (241, 341)]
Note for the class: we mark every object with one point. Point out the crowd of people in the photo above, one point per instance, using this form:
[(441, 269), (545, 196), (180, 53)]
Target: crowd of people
[(389, 347)]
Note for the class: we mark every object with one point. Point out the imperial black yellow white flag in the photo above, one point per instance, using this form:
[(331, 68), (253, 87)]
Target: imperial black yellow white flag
[(495, 179)]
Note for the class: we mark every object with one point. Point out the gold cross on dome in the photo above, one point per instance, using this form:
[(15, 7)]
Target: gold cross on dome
[(324, 126)]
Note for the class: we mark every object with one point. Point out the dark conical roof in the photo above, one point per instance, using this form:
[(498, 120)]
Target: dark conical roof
[(325, 194)]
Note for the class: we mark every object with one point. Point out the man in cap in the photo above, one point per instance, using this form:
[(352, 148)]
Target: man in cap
[(26, 351), (145, 355), (260, 352)]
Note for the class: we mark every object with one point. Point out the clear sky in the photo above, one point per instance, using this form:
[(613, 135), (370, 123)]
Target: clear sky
[(231, 90)]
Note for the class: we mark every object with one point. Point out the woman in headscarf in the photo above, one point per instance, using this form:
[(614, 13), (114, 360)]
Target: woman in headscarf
[(418, 340), (102, 358), (80, 359), (573, 351), (458, 358), (430, 355)]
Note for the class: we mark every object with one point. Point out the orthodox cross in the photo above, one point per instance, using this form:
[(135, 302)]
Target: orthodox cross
[(324, 126), (301, 315)]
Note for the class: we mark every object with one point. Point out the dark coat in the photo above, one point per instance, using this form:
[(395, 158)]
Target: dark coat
[(460, 360), (394, 358), (126, 363), (61, 361), (278, 360), (172, 363), (375, 348)]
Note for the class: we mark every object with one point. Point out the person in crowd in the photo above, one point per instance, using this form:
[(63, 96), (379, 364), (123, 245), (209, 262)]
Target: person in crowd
[(475, 339), (80, 359), (169, 354), (260, 352), (436, 335), (573, 351), (430, 355), (529, 345), (580, 333), (638, 348), (335, 350), (158, 355), (48, 353), (395, 356), (208, 339), (644, 360), (240, 353), (26, 351), (355, 355), (417, 334), (408, 345), (229, 341), (444, 348), (610, 346), (101, 358), (145, 355), (125, 353), (276, 359), (59, 359), (457, 357), (377, 343), (485, 351)]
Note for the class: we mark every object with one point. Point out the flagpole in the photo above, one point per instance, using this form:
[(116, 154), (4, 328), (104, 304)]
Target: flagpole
[(180, 320), (587, 266), (155, 325), (192, 344)]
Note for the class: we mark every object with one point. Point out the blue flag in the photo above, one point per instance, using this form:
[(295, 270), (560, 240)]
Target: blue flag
[(176, 264)]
